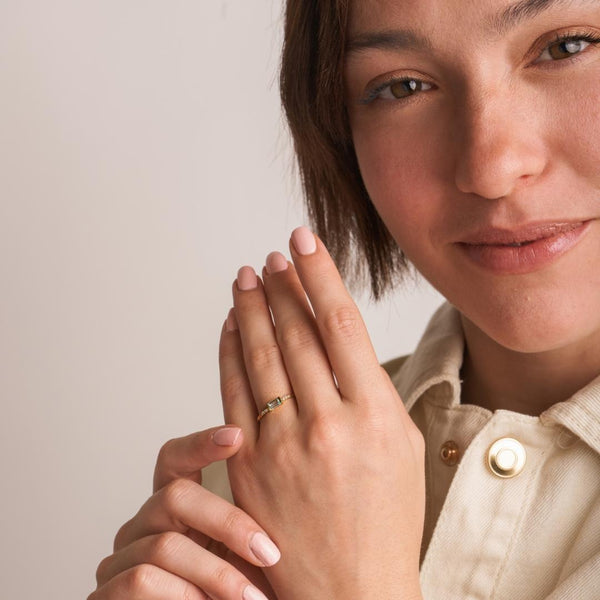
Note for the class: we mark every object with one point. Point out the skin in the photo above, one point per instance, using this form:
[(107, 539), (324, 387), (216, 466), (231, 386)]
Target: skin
[(498, 137), (331, 472), (504, 137), (335, 470), (170, 549)]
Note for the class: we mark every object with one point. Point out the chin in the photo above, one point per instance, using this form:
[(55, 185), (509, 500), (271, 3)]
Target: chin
[(529, 324)]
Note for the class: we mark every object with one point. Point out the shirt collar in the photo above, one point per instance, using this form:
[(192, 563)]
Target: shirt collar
[(580, 414), (436, 364), (436, 360)]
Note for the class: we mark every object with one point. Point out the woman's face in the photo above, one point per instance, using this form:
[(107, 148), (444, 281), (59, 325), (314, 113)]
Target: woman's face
[(477, 131)]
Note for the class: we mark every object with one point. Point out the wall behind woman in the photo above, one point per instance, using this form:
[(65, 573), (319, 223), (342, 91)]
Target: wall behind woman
[(143, 160)]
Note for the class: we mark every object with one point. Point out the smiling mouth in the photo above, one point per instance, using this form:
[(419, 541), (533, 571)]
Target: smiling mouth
[(523, 236), (522, 250)]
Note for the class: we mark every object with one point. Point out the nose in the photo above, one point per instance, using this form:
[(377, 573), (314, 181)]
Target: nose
[(497, 149)]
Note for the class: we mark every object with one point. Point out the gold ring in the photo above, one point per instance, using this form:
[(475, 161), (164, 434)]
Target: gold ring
[(272, 405)]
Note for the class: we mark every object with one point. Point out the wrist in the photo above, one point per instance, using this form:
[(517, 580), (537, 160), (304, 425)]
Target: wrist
[(376, 591)]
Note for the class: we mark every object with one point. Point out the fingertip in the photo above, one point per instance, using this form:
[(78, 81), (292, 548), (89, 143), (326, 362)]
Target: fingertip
[(246, 278), (275, 262), (264, 549), (227, 436), (303, 241)]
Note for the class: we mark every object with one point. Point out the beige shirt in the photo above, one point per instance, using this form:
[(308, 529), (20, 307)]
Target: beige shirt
[(512, 500)]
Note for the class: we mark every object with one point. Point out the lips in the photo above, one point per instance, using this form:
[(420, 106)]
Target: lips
[(523, 249), (522, 235)]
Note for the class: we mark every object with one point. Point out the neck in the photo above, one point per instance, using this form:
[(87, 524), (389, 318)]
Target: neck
[(495, 377)]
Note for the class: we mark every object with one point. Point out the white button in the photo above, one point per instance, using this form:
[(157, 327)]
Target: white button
[(506, 457)]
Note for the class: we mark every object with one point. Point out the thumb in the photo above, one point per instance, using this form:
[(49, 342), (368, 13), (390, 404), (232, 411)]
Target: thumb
[(185, 457)]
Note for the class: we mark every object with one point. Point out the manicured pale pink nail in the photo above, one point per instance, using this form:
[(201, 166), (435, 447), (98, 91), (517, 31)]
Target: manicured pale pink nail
[(246, 279), (252, 593), (276, 262), (304, 240), (264, 549), (227, 436), (231, 321)]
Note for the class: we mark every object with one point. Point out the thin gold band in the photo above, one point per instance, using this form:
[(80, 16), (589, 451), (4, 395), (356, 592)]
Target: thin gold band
[(272, 405)]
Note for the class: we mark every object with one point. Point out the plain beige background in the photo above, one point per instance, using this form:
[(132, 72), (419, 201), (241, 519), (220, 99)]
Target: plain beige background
[(143, 160)]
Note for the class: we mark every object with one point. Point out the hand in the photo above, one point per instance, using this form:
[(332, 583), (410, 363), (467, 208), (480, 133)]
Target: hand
[(336, 475), (186, 542)]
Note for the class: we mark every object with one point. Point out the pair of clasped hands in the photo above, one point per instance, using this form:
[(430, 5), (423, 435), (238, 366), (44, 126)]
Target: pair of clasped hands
[(329, 487)]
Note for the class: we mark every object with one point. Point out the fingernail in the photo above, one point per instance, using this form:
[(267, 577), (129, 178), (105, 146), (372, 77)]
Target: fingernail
[(264, 549), (227, 436), (276, 262), (231, 321), (304, 240), (252, 593), (246, 279)]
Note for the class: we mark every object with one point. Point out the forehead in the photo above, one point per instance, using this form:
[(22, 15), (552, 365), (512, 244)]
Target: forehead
[(378, 14), (491, 16)]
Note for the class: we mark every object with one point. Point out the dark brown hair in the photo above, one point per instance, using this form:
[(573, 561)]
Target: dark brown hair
[(312, 92)]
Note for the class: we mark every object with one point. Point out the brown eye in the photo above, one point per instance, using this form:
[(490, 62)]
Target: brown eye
[(404, 88), (397, 89), (566, 48)]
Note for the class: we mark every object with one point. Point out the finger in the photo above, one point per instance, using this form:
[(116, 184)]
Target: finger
[(340, 324), (178, 555), (256, 576), (185, 457), (236, 393), (262, 357), (147, 582), (298, 337), (183, 505)]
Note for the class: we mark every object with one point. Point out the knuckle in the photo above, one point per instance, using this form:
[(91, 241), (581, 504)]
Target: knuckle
[(223, 576), (121, 535), (191, 592), (263, 357), (295, 335), (175, 493), (102, 569), (233, 521), (233, 388), (342, 323), (324, 435), (165, 545), (227, 349), (165, 450), (141, 579)]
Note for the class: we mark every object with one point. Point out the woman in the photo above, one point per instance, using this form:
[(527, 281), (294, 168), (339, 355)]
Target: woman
[(464, 134)]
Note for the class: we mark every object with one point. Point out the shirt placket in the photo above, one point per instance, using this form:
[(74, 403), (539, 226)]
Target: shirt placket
[(480, 519)]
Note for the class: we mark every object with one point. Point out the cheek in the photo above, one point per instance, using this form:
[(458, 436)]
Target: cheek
[(572, 125), (578, 135), (400, 177)]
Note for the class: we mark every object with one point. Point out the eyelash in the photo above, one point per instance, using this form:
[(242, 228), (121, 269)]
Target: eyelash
[(373, 93)]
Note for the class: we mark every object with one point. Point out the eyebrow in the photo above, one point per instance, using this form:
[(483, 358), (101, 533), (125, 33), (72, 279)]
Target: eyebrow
[(410, 39), (516, 13), (395, 39)]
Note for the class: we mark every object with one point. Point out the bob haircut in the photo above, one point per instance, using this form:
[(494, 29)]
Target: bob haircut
[(312, 93)]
